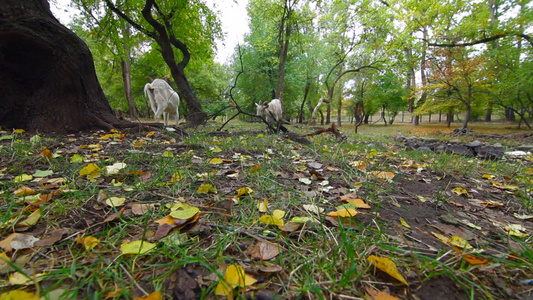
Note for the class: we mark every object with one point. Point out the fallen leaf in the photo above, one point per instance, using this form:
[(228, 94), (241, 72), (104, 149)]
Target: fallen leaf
[(185, 213), (517, 230), (51, 238), (24, 191), (271, 220), (76, 158), (151, 296), (137, 247), (384, 175), (206, 189), (168, 154), (313, 208), (215, 161), (31, 219), (23, 177), (41, 173), (90, 242), (263, 206), (459, 242), (441, 237), (115, 168), (89, 170), (302, 220), (461, 191), (19, 295), (343, 213), (233, 277), (372, 294), (141, 208), (115, 201), (388, 266), (523, 217), (404, 224), (244, 191), (474, 260), (305, 180), (359, 203), (18, 241), (264, 250)]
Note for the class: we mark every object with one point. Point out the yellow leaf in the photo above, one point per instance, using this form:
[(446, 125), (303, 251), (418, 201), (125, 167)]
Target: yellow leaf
[(168, 154), (184, 214), (24, 191), (301, 220), (216, 150), (31, 219), (386, 265), (459, 242), (150, 133), (343, 213), (271, 220), (21, 279), (359, 203), (76, 158), (244, 191), (488, 176), (404, 224), (263, 206), (115, 201), (176, 177), (278, 213), (19, 295), (89, 169), (441, 237), (23, 177), (152, 296), (460, 191), (136, 247), (90, 242), (421, 198), (19, 130), (517, 230), (216, 161), (234, 277), (206, 188)]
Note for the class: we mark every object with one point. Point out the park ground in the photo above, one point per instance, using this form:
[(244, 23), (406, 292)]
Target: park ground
[(242, 213)]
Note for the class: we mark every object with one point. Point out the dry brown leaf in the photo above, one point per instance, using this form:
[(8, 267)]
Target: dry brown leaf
[(141, 208), (264, 250)]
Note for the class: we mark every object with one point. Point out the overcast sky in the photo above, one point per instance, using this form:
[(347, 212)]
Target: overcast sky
[(231, 12)]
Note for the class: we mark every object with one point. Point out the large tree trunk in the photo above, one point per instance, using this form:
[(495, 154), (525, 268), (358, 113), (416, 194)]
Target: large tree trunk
[(47, 77)]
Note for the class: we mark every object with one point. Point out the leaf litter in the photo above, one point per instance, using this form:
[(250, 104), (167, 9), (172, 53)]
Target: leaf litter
[(487, 228)]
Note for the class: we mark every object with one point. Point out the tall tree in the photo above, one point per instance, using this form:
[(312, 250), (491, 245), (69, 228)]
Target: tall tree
[(47, 74), (160, 19)]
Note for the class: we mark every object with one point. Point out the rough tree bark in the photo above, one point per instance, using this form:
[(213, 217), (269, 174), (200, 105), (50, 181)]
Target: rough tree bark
[(47, 77)]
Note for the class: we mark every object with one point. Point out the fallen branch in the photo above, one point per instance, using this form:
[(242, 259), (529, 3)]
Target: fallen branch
[(333, 129)]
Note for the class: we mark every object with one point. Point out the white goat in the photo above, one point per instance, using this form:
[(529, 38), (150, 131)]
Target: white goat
[(272, 112), (163, 100)]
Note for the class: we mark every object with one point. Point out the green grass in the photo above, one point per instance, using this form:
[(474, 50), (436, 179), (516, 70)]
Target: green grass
[(320, 260)]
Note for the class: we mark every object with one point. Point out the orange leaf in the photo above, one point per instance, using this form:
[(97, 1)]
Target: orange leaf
[(47, 153), (474, 260)]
